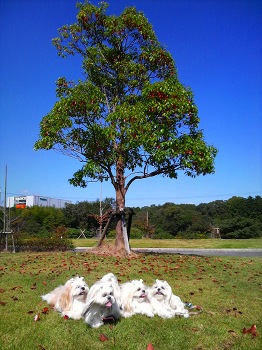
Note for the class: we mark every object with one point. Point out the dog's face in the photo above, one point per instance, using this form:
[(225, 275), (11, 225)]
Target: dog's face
[(78, 287), (103, 294), (139, 291), (161, 290)]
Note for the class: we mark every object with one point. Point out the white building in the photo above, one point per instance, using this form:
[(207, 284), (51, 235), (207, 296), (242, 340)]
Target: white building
[(30, 201)]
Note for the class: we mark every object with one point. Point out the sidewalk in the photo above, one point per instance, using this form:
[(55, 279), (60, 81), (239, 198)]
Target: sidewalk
[(188, 251)]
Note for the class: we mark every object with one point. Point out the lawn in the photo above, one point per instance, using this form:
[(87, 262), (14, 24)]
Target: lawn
[(228, 289), (181, 243)]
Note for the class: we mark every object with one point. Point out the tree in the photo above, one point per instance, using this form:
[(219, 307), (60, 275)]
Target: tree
[(131, 118)]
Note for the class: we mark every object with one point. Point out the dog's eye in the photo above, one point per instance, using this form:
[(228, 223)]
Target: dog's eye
[(138, 289), (111, 293), (163, 287), (104, 295)]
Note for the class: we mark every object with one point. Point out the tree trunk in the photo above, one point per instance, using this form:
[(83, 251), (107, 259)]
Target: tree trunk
[(121, 242)]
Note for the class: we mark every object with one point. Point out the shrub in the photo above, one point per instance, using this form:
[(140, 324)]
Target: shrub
[(36, 244), (136, 233), (192, 235), (241, 228), (160, 234)]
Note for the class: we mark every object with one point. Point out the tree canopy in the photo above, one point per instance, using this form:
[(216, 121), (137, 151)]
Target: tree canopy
[(130, 118)]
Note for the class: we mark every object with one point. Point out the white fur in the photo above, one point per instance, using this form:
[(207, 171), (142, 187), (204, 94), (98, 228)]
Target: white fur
[(164, 303), (101, 303), (110, 277), (134, 299), (69, 299)]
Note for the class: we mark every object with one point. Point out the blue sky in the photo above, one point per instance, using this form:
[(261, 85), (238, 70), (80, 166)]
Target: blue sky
[(217, 48)]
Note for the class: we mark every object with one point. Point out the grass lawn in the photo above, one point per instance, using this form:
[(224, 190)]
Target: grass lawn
[(229, 290), (180, 243)]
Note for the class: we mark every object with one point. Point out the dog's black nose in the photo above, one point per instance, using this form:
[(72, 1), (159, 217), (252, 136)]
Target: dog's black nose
[(83, 288), (109, 297)]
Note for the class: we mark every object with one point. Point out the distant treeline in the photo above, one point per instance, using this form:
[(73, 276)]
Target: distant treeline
[(234, 218)]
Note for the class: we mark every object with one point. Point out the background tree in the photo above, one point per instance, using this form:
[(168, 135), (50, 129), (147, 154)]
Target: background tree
[(130, 118)]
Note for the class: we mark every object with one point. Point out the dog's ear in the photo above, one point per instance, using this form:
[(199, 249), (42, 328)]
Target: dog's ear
[(66, 298)]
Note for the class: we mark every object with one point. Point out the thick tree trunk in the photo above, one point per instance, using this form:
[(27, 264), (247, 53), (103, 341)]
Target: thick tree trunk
[(121, 231)]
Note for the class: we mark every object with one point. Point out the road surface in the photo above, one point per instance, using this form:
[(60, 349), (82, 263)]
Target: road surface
[(201, 252)]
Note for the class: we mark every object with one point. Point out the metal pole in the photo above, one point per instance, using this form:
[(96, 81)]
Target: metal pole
[(4, 230)]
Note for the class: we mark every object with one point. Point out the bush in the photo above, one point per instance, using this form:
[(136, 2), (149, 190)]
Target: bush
[(240, 228), (160, 234), (192, 235), (36, 244), (136, 233)]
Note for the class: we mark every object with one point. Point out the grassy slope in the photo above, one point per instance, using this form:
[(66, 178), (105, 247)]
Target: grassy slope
[(181, 243), (229, 289)]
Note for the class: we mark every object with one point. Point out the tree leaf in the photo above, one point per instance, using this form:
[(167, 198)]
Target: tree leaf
[(103, 337)]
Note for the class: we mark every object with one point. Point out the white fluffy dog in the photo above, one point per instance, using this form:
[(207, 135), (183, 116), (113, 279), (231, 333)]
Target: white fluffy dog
[(134, 299), (69, 299), (110, 277), (101, 303), (164, 303)]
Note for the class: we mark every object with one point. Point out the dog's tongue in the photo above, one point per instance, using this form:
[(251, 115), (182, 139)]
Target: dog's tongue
[(108, 304)]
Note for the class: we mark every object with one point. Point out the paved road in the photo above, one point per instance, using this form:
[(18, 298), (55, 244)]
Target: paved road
[(201, 252)]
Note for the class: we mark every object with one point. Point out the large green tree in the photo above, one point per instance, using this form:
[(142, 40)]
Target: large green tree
[(130, 118)]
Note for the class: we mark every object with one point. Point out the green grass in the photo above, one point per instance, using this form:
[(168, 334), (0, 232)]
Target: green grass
[(229, 290), (180, 243)]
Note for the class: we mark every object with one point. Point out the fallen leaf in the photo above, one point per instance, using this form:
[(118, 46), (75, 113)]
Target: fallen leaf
[(103, 337), (150, 347), (37, 317), (17, 287), (194, 329), (66, 317), (252, 330), (40, 347), (2, 303), (45, 310)]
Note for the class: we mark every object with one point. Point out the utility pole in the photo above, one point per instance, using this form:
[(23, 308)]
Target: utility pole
[(4, 228)]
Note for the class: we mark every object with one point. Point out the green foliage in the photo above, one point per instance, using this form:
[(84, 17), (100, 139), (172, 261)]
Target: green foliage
[(136, 233), (167, 221), (130, 117), (192, 235), (38, 244), (241, 228), (237, 218)]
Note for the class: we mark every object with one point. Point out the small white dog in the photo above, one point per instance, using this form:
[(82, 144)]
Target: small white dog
[(101, 303), (70, 298), (134, 299), (164, 303), (110, 277)]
